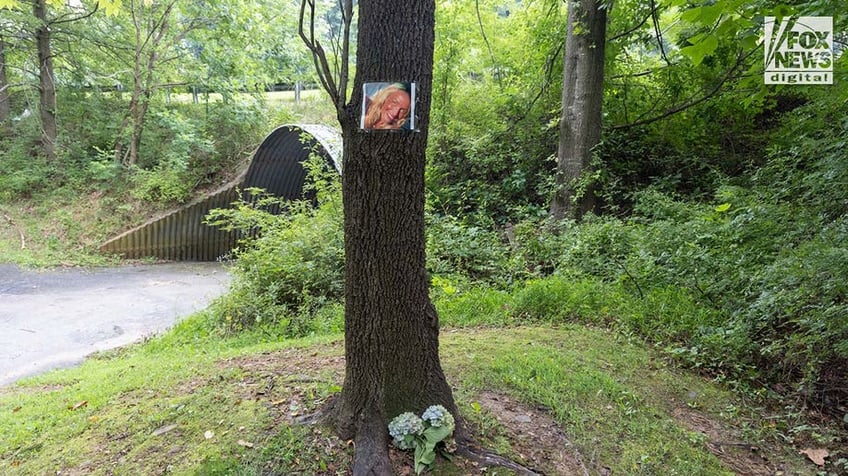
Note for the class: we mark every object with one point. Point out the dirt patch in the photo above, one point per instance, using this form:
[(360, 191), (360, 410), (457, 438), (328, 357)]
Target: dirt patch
[(726, 445), (281, 378), (289, 362), (537, 440)]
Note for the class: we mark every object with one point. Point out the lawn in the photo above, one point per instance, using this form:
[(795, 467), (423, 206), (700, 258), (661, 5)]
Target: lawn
[(557, 399)]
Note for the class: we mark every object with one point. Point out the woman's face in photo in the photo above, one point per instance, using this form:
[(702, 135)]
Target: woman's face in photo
[(394, 110)]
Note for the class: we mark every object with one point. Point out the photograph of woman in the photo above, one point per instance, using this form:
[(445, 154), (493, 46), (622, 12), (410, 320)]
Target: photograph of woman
[(388, 106)]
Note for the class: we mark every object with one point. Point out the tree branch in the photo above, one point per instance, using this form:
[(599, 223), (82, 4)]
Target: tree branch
[(347, 18), (656, 19), (319, 57), (638, 25), (694, 101), (488, 46), (11, 85), (549, 62), (60, 20)]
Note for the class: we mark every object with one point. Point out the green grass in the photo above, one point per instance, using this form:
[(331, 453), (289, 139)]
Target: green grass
[(612, 397), (40, 234), (104, 414), (615, 399)]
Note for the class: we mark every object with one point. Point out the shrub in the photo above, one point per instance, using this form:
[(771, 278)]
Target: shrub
[(289, 265), (236, 129), (455, 247)]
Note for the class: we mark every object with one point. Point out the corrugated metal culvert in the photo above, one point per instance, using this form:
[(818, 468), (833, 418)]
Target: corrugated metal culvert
[(276, 166)]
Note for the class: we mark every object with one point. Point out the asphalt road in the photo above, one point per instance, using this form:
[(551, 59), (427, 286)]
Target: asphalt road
[(52, 319)]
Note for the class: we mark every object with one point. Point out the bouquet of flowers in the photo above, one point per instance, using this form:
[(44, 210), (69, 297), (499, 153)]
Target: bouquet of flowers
[(422, 434)]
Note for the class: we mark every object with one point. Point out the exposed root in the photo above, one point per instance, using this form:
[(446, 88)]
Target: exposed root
[(487, 458), (309, 419), (372, 448)]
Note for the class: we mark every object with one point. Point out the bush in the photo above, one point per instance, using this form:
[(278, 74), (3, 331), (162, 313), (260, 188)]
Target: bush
[(236, 129), (290, 265), (744, 288), (458, 248)]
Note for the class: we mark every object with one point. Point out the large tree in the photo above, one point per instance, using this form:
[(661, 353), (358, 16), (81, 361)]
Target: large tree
[(391, 327), (5, 108), (46, 81), (582, 101), (157, 33)]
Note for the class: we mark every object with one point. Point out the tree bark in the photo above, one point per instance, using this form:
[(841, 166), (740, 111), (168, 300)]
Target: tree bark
[(47, 85), (391, 327), (5, 107), (582, 102)]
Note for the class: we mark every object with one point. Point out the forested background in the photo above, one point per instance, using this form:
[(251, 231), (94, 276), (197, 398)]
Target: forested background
[(719, 232)]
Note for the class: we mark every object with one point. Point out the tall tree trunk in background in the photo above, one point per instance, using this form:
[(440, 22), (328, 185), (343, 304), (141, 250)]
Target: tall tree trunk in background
[(391, 327), (150, 31), (47, 85), (5, 107), (582, 102)]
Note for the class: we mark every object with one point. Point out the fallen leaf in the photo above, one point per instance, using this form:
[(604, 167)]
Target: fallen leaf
[(163, 430), (246, 444), (278, 402), (817, 456), (16, 409), (78, 405), (209, 434)]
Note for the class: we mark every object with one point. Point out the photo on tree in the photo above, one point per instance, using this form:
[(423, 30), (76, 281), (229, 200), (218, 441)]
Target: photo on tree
[(388, 106)]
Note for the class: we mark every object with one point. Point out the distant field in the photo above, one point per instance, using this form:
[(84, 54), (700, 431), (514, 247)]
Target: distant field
[(274, 97), (314, 105)]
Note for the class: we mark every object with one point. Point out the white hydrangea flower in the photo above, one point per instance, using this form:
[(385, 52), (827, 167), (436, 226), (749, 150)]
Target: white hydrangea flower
[(403, 425), (438, 415)]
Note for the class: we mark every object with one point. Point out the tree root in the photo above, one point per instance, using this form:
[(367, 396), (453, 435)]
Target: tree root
[(487, 458), (371, 457)]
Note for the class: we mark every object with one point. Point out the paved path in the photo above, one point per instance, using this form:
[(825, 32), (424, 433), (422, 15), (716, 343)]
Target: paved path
[(51, 319)]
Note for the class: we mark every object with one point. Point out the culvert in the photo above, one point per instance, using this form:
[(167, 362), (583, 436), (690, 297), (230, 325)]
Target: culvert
[(276, 167)]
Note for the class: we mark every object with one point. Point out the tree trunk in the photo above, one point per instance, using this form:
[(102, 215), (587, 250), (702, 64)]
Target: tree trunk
[(391, 327), (150, 31), (5, 107), (47, 86), (582, 101)]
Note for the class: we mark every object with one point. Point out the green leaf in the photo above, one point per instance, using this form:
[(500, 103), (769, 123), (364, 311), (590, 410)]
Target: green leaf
[(111, 7), (749, 42), (701, 49), (692, 15), (710, 14), (424, 456), (435, 434), (723, 207)]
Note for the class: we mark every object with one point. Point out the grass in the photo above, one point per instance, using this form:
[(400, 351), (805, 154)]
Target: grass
[(614, 398), (39, 234), (191, 402)]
